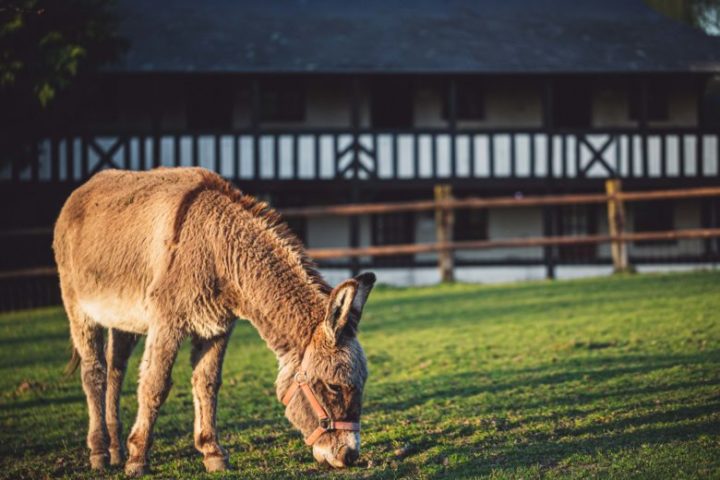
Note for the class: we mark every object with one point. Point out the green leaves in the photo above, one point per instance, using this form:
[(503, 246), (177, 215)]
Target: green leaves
[(46, 44), (46, 48)]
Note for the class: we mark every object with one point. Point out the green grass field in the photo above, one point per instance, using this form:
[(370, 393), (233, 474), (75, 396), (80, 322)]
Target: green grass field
[(613, 377)]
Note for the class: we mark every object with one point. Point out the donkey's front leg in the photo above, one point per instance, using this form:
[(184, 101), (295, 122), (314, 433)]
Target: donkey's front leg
[(207, 358), (161, 348)]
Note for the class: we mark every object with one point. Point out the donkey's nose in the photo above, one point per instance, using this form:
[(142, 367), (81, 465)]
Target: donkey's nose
[(348, 456)]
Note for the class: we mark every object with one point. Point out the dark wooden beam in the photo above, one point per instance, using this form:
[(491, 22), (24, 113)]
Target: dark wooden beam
[(548, 213), (452, 123)]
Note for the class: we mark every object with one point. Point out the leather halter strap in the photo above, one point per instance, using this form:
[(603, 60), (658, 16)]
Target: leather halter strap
[(325, 422)]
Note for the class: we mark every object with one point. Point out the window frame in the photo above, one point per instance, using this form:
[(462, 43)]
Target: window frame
[(577, 253), (409, 237)]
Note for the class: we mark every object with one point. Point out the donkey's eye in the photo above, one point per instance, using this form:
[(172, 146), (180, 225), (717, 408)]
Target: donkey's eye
[(334, 388)]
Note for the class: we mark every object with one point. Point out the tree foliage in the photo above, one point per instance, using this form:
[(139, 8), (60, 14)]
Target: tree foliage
[(703, 14), (46, 47)]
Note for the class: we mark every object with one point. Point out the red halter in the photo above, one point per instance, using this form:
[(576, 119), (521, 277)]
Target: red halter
[(325, 422)]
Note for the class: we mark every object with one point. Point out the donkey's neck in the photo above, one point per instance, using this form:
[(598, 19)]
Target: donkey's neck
[(269, 284)]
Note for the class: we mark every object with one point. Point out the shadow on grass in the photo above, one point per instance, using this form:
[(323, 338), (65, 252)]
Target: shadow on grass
[(545, 451), (466, 384), (510, 446), (34, 339)]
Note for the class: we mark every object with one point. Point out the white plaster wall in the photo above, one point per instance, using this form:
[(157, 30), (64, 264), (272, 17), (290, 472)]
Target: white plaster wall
[(327, 232), (610, 108), (334, 232), (510, 223), (519, 105)]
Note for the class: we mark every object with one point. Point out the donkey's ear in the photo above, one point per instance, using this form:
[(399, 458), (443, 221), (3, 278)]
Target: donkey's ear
[(346, 305), (341, 302), (365, 284)]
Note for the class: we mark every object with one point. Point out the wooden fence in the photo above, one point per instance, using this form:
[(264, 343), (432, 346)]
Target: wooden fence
[(444, 205), (38, 287)]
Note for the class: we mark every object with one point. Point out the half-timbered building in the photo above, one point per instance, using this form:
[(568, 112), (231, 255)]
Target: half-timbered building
[(311, 102)]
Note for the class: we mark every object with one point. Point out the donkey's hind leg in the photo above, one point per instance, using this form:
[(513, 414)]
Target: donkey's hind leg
[(87, 337), (119, 347), (207, 358), (161, 346)]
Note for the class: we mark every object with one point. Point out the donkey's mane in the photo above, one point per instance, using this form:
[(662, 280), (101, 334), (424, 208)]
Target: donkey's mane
[(260, 210)]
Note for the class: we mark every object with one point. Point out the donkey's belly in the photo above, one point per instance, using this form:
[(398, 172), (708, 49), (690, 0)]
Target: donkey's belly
[(112, 312)]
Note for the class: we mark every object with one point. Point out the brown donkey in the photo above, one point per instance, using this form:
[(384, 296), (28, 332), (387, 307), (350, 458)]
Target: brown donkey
[(177, 253)]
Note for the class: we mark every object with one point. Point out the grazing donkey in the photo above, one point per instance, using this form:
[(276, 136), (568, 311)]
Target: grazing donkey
[(178, 253)]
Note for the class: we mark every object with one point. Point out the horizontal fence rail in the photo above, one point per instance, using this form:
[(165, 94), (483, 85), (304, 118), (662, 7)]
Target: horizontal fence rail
[(452, 204), (408, 249), (389, 250), (497, 202), (332, 153)]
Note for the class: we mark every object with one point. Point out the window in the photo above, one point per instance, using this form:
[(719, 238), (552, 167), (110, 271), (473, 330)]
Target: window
[(470, 224), (572, 104), (577, 220), (209, 104), (391, 104), (469, 101), (657, 216), (282, 101), (657, 103), (393, 229)]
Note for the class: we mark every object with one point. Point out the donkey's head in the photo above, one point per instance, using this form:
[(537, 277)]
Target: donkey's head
[(324, 399)]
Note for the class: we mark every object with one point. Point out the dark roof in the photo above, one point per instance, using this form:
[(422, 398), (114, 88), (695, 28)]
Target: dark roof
[(481, 36)]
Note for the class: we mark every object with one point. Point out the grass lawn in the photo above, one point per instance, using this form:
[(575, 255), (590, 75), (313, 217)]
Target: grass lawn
[(613, 377)]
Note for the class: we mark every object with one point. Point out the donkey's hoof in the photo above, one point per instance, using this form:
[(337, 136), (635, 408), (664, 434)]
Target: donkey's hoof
[(98, 461), (215, 464), (134, 469), (116, 457)]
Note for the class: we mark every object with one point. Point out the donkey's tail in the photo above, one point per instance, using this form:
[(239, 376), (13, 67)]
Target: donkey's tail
[(73, 363)]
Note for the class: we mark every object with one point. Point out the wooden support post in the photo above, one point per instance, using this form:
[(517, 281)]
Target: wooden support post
[(355, 122), (616, 225), (452, 124), (547, 212), (444, 221), (255, 114), (355, 189), (354, 231), (549, 217)]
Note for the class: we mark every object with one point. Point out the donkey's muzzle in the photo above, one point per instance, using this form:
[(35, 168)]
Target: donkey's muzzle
[(348, 456)]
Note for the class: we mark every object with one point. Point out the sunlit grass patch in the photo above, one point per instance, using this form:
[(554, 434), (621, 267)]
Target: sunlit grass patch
[(612, 377)]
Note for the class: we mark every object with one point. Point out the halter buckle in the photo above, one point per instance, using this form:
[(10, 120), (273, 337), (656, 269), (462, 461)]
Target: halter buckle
[(301, 378), (327, 424)]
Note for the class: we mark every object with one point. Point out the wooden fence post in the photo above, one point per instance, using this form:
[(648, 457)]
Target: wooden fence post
[(616, 225), (444, 221)]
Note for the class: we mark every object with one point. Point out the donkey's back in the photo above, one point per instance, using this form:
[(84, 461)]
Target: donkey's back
[(111, 242)]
